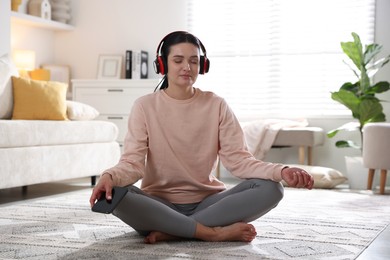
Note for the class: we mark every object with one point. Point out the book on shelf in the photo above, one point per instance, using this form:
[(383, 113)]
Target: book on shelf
[(128, 64), (136, 64)]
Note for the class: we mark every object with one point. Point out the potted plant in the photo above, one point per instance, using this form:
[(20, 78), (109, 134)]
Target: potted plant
[(360, 97)]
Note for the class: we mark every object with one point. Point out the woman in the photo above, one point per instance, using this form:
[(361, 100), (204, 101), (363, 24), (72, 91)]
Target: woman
[(175, 136)]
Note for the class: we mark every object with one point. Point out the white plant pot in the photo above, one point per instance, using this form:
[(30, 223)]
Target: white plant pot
[(357, 174)]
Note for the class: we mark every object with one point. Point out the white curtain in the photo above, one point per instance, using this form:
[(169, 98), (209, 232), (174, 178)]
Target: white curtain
[(279, 58)]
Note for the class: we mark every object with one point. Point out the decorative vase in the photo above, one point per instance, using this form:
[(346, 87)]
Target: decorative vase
[(60, 10), (357, 174)]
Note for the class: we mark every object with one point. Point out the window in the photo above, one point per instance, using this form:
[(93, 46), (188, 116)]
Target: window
[(279, 58)]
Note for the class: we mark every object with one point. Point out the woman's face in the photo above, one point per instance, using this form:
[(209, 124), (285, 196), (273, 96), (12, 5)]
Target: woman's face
[(183, 64)]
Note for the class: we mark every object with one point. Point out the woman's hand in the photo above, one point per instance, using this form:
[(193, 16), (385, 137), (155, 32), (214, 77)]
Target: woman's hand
[(297, 178), (105, 184)]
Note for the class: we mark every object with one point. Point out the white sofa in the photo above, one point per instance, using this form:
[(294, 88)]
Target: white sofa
[(33, 151), (39, 151)]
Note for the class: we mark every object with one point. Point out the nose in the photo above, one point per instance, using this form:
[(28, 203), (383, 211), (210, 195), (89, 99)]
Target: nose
[(187, 66)]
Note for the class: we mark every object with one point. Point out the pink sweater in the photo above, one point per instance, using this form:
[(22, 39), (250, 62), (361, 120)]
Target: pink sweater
[(173, 145)]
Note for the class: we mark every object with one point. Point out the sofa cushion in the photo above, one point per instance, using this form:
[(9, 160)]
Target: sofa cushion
[(22, 133), (39, 100), (324, 177), (32, 165), (7, 69), (80, 111)]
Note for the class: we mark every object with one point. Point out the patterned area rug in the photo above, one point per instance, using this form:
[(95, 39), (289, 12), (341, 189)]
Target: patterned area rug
[(317, 224)]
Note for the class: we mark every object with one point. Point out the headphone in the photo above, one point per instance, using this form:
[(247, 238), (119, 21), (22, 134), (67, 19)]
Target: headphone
[(160, 63)]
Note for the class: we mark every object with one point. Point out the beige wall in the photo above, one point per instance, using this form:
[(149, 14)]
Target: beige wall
[(112, 27)]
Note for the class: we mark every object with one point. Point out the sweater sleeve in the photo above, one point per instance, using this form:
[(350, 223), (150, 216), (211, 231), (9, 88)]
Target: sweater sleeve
[(234, 153), (131, 166)]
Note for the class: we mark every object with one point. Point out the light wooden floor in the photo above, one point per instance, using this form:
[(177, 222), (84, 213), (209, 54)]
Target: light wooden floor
[(378, 250)]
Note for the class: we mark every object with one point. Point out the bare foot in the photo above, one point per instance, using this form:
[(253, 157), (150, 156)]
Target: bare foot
[(156, 236), (236, 232)]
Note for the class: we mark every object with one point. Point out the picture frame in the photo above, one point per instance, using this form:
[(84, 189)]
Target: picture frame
[(110, 67)]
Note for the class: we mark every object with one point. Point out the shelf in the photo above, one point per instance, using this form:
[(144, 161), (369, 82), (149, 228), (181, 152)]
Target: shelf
[(35, 21), (102, 83)]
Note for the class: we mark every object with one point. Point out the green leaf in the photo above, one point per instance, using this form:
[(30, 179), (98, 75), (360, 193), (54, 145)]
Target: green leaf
[(385, 61), (378, 118), (351, 126), (354, 88), (346, 144), (379, 87), (348, 99), (371, 51), (373, 68), (369, 109), (358, 43), (352, 52), (332, 133)]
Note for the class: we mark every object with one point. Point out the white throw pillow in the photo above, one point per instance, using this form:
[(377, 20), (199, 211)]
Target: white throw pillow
[(80, 111), (324, 177), (7, 70)]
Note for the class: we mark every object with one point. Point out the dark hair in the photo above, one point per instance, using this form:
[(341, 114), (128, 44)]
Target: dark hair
[(165, 47)]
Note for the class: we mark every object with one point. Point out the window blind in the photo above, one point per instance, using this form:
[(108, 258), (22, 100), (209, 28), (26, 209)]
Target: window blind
[(279, 58)]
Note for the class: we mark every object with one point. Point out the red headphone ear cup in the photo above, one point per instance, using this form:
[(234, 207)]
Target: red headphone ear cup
[(204, 65), (160, 65)]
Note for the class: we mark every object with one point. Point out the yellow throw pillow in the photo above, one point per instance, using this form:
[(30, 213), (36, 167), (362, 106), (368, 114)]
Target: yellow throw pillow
[(39, 100), (40, 74)]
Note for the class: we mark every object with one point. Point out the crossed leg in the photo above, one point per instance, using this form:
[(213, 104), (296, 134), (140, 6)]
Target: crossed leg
[(220, 217)]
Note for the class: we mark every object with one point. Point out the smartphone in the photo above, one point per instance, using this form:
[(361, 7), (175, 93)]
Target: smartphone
[(108, 206)]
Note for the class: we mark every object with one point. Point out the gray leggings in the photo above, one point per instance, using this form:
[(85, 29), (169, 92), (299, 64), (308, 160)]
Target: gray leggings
[(245, 202)]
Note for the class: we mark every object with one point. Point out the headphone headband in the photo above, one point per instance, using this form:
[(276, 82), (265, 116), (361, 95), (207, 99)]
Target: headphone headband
[(160, 64)]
